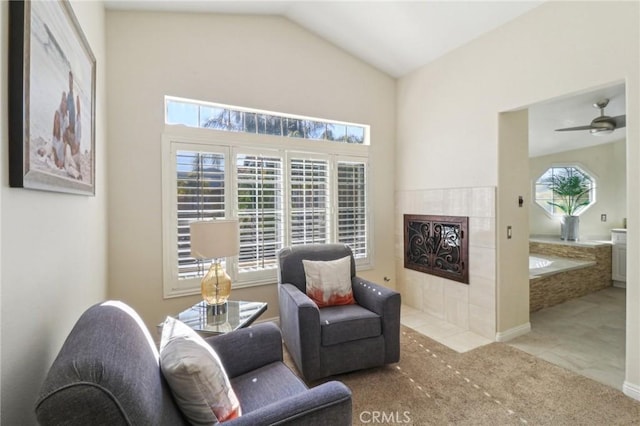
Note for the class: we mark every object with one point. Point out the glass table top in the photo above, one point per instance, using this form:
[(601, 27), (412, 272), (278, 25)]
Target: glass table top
[(218, 319)]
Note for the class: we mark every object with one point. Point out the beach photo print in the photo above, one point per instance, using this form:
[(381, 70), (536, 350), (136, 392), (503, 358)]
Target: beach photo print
[(51, 99)]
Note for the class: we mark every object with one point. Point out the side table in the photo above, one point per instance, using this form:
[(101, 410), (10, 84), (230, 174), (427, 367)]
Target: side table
[(220, 319)]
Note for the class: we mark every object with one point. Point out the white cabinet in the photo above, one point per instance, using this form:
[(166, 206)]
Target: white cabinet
[(619, 257)]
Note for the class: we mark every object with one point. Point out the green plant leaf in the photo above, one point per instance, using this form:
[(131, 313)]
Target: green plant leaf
[(572, 189)]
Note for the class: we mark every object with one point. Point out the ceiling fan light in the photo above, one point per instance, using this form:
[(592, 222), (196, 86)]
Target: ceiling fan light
[(602, 126), (601, 131)]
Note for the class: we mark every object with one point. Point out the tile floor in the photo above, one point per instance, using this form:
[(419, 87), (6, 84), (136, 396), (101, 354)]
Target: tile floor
[(441, 331), (585, 335)]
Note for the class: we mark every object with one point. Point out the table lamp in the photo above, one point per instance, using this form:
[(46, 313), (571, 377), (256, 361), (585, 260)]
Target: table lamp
[(215, 239)]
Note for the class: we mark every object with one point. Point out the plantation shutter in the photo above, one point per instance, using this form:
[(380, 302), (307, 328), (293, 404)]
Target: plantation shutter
[(260, 211), (352, 206), (309, 208), (200, 195)]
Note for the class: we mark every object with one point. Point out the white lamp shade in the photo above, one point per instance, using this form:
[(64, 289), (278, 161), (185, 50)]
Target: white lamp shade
[(213, 239)]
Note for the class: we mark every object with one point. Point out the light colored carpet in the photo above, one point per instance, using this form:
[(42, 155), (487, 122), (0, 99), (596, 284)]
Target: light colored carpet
[(492, 385)]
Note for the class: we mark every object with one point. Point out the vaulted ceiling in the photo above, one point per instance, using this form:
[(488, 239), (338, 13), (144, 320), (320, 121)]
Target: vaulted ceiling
[(395, 36)]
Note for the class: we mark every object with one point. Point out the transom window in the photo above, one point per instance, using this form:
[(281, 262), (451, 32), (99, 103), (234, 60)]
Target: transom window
[(283, 191), (235, 119), (565, 190)]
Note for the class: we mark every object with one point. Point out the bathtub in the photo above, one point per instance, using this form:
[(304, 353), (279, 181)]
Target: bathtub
[(536, 262), (561, 271), (543, 265)]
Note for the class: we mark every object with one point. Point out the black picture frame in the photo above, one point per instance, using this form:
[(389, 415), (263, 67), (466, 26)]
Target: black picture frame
[(52, 81)]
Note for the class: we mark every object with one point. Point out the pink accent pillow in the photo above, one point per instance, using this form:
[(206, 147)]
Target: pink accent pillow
[(329, 282)]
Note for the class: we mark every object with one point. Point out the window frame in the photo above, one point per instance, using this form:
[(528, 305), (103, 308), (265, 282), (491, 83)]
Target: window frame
[(179, 138), (261, 276), (310, 156), (283, 118), (575, 165), (172, 284), (367, 198)]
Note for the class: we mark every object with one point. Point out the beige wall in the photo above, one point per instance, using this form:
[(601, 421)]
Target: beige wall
[(607, 163), (448, 126), (512, 315), (258, 62), (53, 252)]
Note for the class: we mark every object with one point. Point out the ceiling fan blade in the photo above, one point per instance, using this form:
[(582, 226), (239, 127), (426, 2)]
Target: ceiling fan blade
[(620, 121), (588, 127)]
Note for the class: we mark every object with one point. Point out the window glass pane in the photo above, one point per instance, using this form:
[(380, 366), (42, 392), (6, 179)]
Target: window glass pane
[(316, 130), (214, 118), (336, 132), (182, 113), (309, 201), (352, 207), (200, 195), (250, 122), (565, 190), (355, 134), (269, 125), (236, 121), (260, 211), (295, 128)]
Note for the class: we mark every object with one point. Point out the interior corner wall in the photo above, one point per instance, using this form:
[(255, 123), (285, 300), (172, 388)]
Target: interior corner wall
[(53, 250), (262, 62), (607, 163), (448, 111)]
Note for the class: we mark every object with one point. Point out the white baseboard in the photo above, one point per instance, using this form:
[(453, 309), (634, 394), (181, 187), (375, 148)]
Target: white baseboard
[(512, 333), (631, 390)]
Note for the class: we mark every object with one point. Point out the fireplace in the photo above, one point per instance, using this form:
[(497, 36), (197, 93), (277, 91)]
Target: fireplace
[(437, 245)]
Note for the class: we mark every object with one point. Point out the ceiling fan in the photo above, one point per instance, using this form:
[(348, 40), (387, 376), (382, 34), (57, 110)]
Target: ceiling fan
[(601, 125)]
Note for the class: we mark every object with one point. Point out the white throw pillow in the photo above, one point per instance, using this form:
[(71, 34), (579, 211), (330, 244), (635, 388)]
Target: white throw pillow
[(329, 282), (195, 375)]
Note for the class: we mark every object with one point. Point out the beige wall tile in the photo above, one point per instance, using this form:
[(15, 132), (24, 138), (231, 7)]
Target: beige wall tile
[(457, 201), (433, 296), (482, 292), (482, 262), (483, 202), (482, 232), (482, 321), (456, 302)]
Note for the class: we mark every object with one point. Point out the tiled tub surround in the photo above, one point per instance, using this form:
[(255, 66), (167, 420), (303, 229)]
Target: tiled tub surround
[(580, 268), (467, 308)]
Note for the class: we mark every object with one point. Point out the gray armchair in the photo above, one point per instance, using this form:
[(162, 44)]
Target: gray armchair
[(336, 339), (107, 373)]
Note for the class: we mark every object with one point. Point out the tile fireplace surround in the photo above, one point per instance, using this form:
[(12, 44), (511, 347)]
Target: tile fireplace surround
[(468, 307)]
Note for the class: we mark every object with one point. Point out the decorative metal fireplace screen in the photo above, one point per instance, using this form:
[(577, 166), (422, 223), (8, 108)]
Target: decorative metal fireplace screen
[(437, 245)]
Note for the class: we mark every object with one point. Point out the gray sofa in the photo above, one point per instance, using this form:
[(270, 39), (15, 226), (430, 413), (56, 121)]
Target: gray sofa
[(107, 373), (336, 339)]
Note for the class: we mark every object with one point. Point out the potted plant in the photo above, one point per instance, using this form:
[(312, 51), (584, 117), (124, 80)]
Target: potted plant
[(571, 191)]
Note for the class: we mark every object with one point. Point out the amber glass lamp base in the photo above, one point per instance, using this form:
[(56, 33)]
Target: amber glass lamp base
[(216, 285)]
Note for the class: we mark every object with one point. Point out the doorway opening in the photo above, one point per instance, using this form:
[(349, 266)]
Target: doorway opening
[(582, 330)]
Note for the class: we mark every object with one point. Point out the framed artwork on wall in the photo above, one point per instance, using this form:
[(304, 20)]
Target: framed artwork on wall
[(52, 80)]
